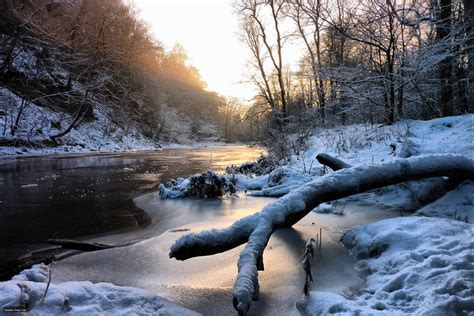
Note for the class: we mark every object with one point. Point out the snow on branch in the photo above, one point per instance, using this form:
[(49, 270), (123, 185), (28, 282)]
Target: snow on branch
[(256, 229)]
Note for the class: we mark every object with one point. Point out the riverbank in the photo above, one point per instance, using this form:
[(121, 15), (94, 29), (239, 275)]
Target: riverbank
[(7, 152), (99, 135)]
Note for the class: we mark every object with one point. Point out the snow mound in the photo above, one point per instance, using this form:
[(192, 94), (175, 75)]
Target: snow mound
[(262, 166), (27, 289), (414, 265), (206, 185)]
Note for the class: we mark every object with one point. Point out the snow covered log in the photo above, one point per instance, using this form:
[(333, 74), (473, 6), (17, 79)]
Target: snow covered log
[(256, 229), (332, 162)]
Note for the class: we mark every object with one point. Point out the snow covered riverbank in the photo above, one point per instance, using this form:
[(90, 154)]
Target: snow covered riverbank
[(364, 145), (102, 134), (413, 266), (30, 291), (419, 140), (67, 150)]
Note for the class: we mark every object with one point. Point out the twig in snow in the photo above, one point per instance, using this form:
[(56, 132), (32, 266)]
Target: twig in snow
[(47, 286)]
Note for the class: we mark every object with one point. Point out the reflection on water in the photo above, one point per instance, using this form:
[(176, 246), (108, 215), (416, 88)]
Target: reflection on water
[(79, 195), (205, 283)]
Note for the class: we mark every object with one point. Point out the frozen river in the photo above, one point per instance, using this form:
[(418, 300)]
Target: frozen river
[(77, 195), (205, 284)]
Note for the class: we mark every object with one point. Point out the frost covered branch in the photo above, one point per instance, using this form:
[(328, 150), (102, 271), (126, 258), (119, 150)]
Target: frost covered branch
[(256, 229)]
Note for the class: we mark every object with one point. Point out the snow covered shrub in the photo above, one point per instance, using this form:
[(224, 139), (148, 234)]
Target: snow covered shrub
[(275, 178), (300, 143), (210, 185), (205, 185), (407, 149), (344, 140), (281, 145)]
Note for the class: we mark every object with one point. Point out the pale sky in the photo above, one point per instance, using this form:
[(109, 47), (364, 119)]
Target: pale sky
[(208, 31)]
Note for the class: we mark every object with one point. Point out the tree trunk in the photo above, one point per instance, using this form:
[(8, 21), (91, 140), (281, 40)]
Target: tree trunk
[(469, 20), (76, 118), (443, 29), (391, 86), (256, 229)]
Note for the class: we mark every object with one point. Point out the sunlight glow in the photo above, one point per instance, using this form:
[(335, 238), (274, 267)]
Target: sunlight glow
[(208, 32)]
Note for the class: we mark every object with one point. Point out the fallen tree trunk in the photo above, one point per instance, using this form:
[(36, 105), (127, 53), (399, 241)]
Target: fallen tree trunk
[(256, 229), (332, 162), (78, 245), (437, 188)]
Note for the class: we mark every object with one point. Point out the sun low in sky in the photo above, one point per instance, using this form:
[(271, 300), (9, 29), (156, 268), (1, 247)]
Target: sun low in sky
[(208, 31)]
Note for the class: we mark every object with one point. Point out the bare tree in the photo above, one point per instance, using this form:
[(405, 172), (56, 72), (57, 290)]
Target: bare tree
[(308, 13), (250, 11), (253, 40)]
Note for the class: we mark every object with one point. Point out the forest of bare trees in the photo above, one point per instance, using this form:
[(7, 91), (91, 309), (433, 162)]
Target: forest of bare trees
[(374, 61), (74, 57)]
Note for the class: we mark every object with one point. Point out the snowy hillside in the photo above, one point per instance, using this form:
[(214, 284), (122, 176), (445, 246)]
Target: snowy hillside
[(100, 134), (38, 122)]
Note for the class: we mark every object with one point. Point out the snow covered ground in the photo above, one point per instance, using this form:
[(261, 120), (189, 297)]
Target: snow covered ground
[(413, 266), (27, 291), (360, 145), (457, 204)]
